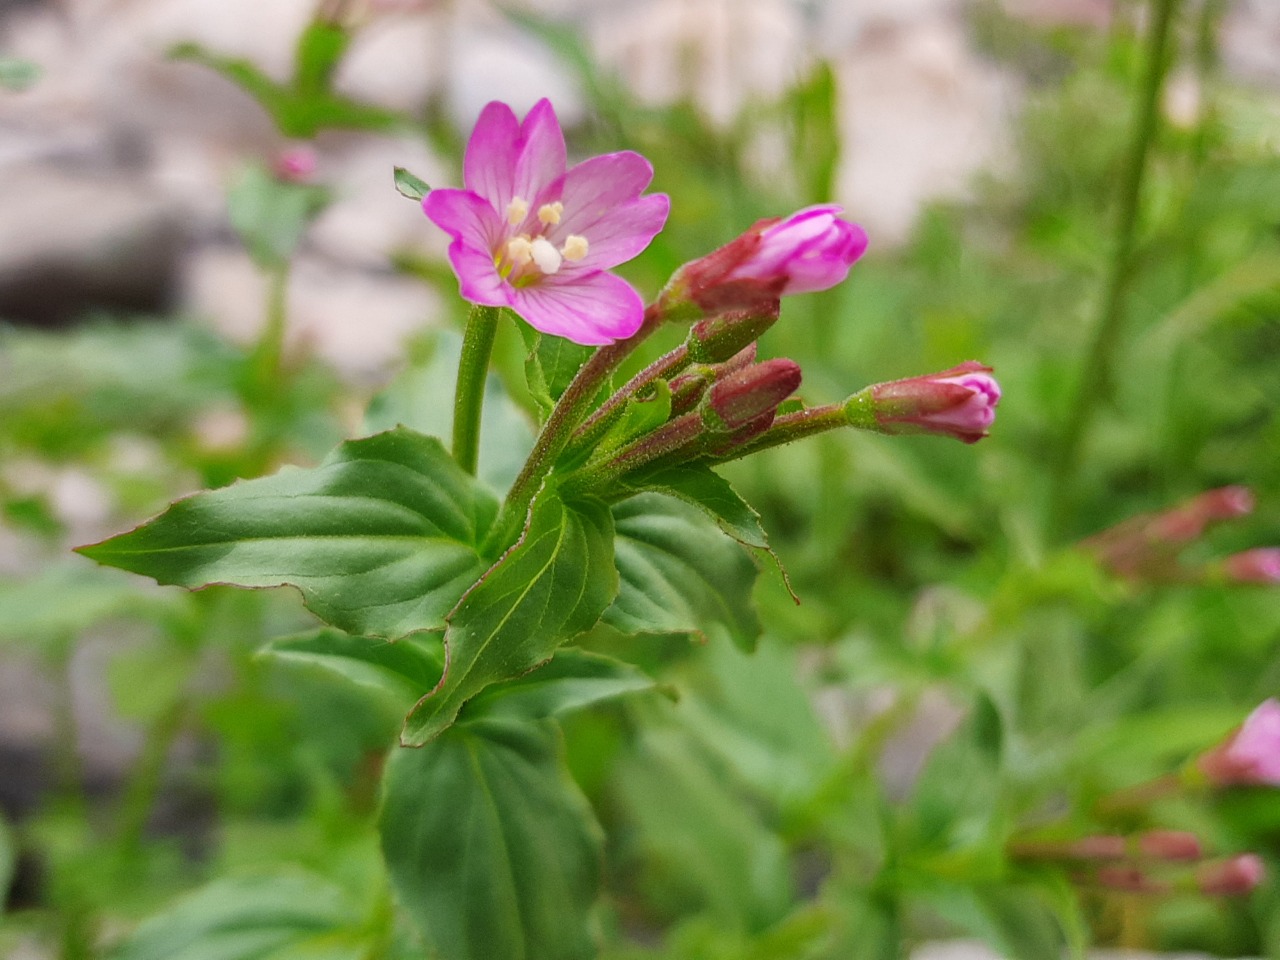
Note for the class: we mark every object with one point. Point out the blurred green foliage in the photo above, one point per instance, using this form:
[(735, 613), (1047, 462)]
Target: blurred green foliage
[(957, 670)]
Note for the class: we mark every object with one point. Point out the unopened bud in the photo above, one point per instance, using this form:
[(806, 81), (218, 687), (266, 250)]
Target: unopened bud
[(960, 402), (688, 388), (1187, 521), (717, 339), (297, 164), (1233, 877), (810, 250), (1250, 756), (1170, 845), (742, 397), (1261, 565)]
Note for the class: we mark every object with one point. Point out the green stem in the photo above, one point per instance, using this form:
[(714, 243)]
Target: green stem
[(665, 366), (139, 796), (792, 427), (564, 418), (268, 354), (1095, 375), (473, 370)]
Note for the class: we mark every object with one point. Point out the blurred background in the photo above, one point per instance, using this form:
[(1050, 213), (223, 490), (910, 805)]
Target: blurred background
[(163, 202)]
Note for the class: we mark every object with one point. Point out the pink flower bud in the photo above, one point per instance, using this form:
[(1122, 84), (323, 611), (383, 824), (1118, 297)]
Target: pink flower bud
[(810, 250), (744, 397), (297, 164), (1170, 845), (1187, 521), (1233, 877), (1250, 756), (1254, 566), (960, 402)]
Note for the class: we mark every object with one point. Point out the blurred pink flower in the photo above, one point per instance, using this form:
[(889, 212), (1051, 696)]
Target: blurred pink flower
[(1250, 755), (530, 236), (1261, 565), (810, 250), (297, 163), (1233, 877), (960, 402)]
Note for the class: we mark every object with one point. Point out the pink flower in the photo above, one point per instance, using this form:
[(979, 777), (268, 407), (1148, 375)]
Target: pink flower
[(810, 250), (960, 402), (530, 236), (1254, 566), (1251, 755)]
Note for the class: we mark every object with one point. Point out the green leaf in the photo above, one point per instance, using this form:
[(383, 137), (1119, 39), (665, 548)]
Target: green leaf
[(551, 363), (271, 215), (408, 185), (553, 584), (492, 848), (405, 669), (300, 115), (639, 417), (381, 538), (274, 915), (17, 75), (713, 495), (572, 680), (320, 49), (680, 574)]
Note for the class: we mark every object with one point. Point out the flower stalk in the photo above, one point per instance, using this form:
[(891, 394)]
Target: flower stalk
[(473, 369)]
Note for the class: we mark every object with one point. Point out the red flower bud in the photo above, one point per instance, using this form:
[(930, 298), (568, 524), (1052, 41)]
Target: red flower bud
[(743, 397), (719, 338), (1170, 845), (1254, 566), (1233, 877)]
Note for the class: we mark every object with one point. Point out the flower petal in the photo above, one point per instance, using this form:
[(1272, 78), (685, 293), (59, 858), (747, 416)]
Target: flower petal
[(623, 233), (478, 277), (489, 166), (540, 153), (592, 309), (594, 187), (465, 216)]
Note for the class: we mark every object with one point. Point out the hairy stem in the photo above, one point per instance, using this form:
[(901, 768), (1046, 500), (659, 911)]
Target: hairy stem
[(565, 417), (473, 369)]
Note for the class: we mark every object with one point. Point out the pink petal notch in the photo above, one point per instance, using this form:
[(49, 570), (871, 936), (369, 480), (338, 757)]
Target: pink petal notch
[(537, 238)]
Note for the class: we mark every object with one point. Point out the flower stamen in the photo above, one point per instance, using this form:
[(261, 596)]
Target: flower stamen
[(519, 250), (517, 210), (575, 247), (549, 213)]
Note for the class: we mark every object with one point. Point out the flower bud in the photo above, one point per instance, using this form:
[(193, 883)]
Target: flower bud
[(810, 250), (1187, 521), (1170, 845), (1130, 879), (1250, 756), (717, 339), (1254, 566), (1233, 877), (688, 388), (960, 402), (296, 164), (749, 394)]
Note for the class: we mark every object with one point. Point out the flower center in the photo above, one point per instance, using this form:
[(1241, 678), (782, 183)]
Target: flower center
[(527, 256)]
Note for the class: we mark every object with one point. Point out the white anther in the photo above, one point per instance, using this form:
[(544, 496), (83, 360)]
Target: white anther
[(517, 210), (549, 213), (519, 251), (546, 256), (575, 247)]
